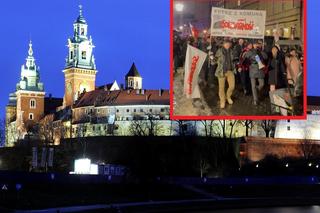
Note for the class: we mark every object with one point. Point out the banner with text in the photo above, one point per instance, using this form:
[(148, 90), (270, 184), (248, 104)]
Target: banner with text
[(193, 64), (238, 23)]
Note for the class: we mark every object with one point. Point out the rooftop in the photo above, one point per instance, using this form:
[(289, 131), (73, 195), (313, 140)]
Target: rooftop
[(100, 97)]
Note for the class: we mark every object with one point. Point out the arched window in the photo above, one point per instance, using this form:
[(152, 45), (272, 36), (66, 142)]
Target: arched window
[(31, 116), (84, 55), (33, 104)]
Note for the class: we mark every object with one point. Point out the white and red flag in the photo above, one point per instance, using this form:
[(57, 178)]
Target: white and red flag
[(193, 64), (194, 31)]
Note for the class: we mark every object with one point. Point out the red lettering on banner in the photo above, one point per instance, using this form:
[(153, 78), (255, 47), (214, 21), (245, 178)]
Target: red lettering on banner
[(194, 62), (239, 25)]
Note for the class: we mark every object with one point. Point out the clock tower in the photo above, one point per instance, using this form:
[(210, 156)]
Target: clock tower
[(80, 69)]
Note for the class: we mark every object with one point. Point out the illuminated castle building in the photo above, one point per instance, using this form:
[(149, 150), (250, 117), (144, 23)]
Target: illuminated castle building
[(85, 110)]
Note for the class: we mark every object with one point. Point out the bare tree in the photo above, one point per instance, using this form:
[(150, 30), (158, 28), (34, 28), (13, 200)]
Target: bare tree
[(248, 124), (266, 125), (149, 127), (307, 146), (208, 127), (232, 123), (224, 127), (46, 128), (138, 128)]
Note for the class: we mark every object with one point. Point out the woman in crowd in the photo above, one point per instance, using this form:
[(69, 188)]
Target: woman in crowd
[(256, 73), (293, 66)]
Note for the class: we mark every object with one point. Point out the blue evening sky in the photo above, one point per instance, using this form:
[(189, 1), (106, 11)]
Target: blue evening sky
[(313, 34), (123, 31)]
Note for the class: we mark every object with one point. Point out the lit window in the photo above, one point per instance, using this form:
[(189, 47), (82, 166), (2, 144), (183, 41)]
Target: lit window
[(31, 116), (84, 54), (32, 103)]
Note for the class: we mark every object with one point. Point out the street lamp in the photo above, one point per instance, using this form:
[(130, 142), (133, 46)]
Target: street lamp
[(179, 7)]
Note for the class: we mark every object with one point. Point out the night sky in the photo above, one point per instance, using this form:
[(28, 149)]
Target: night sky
[(123, 32)]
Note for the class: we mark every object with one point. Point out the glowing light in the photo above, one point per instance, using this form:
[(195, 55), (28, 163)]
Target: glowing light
[(317, 166), (82, 166), (204, 31), (310, 164), (287, 165), (257, 166), (179, 7), (93, 169), (181, 28)]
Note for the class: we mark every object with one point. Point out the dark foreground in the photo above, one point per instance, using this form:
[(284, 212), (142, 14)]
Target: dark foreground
[(40, 192)]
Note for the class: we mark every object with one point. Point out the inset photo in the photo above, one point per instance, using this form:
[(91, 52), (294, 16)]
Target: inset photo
[(238, 59)]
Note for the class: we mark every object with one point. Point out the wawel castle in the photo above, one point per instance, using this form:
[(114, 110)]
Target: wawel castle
[(86, 109)]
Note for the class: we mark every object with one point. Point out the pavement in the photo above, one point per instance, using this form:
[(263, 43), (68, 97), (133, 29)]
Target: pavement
[(208, 104)]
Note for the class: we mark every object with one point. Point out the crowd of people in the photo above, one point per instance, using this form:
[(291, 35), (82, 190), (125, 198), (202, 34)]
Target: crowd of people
[(251, 64)]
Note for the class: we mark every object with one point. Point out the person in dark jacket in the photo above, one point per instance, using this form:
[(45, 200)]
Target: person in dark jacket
[(237, 50), (256, 73), (243, 69), (276, 69), (224, 72)]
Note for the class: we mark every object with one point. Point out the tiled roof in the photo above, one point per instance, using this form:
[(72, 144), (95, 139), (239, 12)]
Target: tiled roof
[(100, 97), (133, 71)]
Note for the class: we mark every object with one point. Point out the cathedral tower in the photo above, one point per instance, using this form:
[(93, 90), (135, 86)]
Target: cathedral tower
[(29, 96), (80, 69)]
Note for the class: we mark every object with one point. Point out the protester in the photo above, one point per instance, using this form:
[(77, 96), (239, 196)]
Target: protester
[(243, 69), (276, 69), (224, 72), (293, 66), (238, 49), (256, 57), (289, 99)]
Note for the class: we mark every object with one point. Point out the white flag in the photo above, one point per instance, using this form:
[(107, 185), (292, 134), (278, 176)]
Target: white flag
[(193, 64)]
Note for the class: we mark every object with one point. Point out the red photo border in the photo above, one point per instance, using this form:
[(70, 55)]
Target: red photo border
[(243, 117)]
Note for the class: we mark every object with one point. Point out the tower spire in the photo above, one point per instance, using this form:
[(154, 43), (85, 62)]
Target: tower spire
[(30, 48), (80, 9)]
